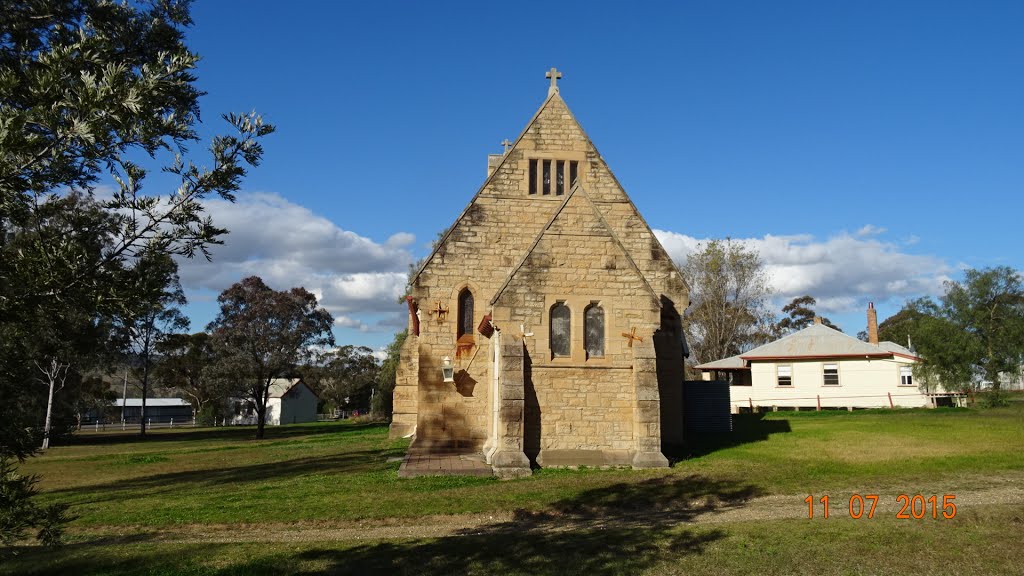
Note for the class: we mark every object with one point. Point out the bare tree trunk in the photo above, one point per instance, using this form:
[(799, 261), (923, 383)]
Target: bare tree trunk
[(53, 372), (145, 383), (142, 413), (261, 408), (49, 415), (124, 394)]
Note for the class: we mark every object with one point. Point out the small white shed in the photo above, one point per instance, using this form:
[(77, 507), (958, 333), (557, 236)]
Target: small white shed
[(291, 401)]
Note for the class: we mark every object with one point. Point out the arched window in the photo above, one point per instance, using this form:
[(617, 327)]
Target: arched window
[(465, 313), (560, 330), (593, 331)]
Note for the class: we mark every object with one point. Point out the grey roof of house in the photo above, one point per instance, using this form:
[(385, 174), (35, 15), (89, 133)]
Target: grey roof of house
[(151, 402), (894, 347), (730, 363), (816, 341)]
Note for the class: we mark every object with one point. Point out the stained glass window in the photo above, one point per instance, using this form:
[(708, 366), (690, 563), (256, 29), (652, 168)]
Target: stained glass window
[(593, 331), (560, 329), (465, 312)]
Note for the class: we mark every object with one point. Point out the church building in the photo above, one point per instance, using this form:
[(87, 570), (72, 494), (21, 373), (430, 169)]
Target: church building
[(545, 327)]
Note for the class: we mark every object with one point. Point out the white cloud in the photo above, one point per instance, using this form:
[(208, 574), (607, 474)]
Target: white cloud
[(842, 272), (288, 245), (870, 230), (401, 240)]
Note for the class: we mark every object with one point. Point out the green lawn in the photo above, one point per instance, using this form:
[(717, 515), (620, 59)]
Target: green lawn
[(128, 494)]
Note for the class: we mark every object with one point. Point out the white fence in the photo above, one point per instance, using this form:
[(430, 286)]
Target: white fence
[(830, 402), (97, 426)]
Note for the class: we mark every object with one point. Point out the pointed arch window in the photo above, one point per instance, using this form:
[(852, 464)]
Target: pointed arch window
[(593, 330), (561, 321), (465, 325)]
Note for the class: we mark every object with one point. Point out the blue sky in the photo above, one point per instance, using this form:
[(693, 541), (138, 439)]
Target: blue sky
[(869, 150)]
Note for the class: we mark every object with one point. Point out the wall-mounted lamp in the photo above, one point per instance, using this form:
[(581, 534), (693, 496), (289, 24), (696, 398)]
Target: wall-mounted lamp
[(447, 370)]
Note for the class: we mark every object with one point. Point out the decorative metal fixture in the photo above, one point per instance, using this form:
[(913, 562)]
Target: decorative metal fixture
[(440, 312), (447, 370)]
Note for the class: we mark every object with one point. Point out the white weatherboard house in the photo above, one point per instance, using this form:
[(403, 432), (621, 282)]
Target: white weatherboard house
[(820, 368), (290, 401)]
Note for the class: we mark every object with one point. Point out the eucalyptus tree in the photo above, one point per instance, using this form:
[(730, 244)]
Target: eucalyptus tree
[(729, 293), (261, 334), (93, 96), (974, 332), (799, 314), (153, 315), (188, 366)]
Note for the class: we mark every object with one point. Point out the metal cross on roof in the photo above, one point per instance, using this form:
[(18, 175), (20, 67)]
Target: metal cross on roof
[(554, 75)]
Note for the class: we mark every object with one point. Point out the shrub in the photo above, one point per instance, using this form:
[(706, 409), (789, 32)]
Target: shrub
[(993, 399), (18, 513)]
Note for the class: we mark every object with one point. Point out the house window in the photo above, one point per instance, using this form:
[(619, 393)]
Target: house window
[(906, 376), (542, 172), (831, 374), (560, 329), (785, 375), (593, 331), (465, 313)]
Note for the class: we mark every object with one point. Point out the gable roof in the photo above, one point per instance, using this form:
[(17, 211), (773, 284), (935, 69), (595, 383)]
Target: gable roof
[(491, 176), (552, 97), (281, 386), (816, 341), (577, 188)]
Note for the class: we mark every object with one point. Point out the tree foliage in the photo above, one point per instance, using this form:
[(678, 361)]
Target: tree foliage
[(383, 401), (187, 367), (900, 326), (19, 513), (347, 377), (729, 291), (974, 331), (90, 89), (261, 334), (153, 316), (799, 314)]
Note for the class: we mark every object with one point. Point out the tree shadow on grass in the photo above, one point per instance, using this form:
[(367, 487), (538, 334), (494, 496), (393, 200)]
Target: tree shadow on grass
[(220, 433), (746, 428), (155, 484), (625, 528), (620, 529)]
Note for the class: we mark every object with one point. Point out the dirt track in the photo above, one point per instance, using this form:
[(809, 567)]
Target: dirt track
[(696, 513)]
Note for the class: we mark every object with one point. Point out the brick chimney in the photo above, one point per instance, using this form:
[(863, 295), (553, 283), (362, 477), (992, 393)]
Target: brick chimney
[(872, 324)]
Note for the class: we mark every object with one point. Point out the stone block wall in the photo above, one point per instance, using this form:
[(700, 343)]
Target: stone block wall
[(591, 253)]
